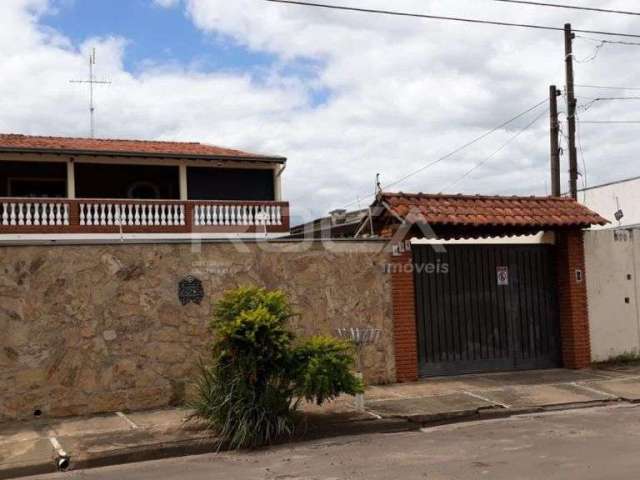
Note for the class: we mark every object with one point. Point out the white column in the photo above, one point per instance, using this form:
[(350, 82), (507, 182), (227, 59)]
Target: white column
[(71, 179), (277, 182), (184, 194)]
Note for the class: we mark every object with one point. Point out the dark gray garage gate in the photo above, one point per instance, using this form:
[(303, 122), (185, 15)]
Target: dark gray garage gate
[(486, 308)]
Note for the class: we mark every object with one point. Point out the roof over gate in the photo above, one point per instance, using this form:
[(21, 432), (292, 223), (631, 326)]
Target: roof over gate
[(116, 147), (476, 215)]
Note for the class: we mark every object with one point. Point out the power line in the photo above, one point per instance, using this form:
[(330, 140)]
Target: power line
[(609, 42), (459, 149), (598, 99), (439, 17), (593, 101), (610, 121), (572, 7), (607, 87), (584, 163), (591, 57), (494, 153), (468, 144)]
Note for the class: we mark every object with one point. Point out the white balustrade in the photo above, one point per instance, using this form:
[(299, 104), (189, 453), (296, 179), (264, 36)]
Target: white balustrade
[(43, 213), (132, 214), (32, 213), (237, 215)]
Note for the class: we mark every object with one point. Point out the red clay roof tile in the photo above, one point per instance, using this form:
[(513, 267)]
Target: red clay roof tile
[(488, 211), (15, 142)]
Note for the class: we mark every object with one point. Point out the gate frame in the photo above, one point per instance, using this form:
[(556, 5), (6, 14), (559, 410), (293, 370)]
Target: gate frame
[(572, 301)]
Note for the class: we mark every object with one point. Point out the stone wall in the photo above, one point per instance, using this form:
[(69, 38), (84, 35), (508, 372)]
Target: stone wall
[(96, 328)]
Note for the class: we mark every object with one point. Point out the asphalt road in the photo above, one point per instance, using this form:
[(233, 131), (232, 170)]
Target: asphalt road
[(582, 444)]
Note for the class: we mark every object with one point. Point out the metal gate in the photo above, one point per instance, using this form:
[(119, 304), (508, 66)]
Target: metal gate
[(486, 307)]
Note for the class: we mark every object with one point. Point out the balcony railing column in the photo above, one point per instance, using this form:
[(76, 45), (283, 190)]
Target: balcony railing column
[(184, 184), (71, 179)]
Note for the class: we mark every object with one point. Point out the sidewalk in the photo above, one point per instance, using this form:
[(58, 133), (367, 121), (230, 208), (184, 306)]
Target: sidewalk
[(503, 394), (28, 448)]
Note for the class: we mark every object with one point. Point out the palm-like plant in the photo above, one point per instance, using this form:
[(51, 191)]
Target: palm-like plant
[(249, 392)]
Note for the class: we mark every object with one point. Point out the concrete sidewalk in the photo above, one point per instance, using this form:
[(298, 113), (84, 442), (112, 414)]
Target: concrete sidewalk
[(35, 447), (28, 448), (502, 394)]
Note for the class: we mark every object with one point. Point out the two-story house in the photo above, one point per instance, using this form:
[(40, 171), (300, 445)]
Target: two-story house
[(54, 188)]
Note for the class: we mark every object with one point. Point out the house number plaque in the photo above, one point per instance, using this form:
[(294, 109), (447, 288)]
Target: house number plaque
[(190, 290)]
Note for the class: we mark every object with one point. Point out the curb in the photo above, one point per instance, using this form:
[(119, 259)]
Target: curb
[(28, 470), (497, 413), (205, 444)]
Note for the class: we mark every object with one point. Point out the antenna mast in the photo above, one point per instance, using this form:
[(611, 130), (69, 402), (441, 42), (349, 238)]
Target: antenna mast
[(92, 81)]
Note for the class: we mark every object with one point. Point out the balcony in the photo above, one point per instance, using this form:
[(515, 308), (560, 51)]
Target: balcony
[(110, 216)]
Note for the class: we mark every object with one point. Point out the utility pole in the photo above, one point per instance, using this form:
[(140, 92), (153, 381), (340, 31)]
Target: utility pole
[(571, 112), (555, 146), (91, 81)]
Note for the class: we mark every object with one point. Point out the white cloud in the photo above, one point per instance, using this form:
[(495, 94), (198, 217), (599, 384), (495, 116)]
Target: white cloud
[(403, 92), (166, 3)]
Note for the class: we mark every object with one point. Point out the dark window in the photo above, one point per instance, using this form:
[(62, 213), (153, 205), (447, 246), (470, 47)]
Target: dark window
[(95, 180), (230, 184), (33, 179)]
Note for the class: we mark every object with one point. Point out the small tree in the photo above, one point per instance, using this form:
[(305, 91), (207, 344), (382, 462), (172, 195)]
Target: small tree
[(250, 392)]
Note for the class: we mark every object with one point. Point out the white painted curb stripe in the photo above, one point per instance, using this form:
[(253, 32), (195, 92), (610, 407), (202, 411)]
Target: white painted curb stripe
[(130, 422), (57, 447), (374, 415), (486, 399), (593, 390)]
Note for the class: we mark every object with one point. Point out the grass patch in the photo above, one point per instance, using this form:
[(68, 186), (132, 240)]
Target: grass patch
[(622, 360)]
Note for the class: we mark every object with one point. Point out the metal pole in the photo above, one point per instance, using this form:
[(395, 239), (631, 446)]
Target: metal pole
[(92, 108), (571, 112), (555, 147)]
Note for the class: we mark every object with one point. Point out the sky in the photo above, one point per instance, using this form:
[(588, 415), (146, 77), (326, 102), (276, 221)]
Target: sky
[(344, 96)]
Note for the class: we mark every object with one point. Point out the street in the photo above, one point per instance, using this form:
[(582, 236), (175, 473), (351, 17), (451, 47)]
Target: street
[(591, 443)]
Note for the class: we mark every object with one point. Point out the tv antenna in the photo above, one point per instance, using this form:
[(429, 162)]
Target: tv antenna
[(92, 81)]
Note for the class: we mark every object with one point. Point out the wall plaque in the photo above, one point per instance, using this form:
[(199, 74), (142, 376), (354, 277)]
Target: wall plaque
[(503, 276), (190, 290)]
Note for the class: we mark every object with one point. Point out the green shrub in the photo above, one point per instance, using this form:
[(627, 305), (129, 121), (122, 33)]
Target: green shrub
[(325, 369), (250, 391)]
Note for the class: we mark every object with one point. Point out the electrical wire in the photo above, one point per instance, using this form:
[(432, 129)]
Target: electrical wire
[(593, 101), (584, 163), (591, 57), (608, 98), (440, 17), (601, 87), (459, 149), (608, 42), (611, 121), (495, 152), (572, 7)]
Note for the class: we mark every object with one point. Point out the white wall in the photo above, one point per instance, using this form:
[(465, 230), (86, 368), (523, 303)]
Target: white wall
[(603, 201), (612, 278)]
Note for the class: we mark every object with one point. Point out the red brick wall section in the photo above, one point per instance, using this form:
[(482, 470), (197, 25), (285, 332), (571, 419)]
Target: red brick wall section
[(572, 296), (404, 317)]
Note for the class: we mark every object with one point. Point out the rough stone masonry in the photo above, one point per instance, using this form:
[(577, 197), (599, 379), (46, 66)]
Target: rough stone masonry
[(97, 328)]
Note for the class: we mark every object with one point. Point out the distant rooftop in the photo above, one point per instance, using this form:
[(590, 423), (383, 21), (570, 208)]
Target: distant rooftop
[(118, 147)]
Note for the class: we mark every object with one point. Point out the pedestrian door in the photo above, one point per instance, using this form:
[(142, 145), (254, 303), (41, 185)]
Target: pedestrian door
[(485, 308)]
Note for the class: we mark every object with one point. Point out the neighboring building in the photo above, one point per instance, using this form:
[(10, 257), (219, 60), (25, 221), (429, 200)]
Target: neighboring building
[(613, 290), (618, 202), (339, 224), (60, 188)]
